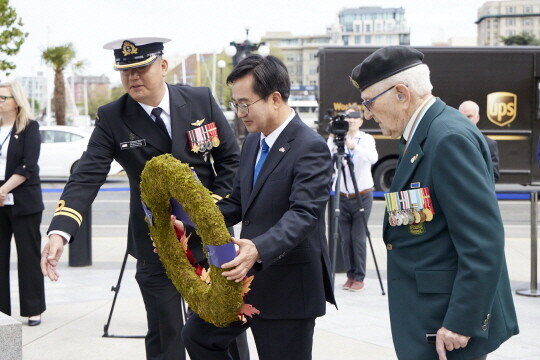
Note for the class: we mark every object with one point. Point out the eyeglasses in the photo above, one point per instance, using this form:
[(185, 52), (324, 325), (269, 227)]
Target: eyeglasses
[(243, 108), (368, 103), (4, 98)]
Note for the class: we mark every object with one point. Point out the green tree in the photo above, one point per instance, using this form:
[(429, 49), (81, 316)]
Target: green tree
[(59, 57), (11, 36), (524, 38)]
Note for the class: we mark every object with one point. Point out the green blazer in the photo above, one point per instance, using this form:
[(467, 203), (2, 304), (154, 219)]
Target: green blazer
[(452, 270)]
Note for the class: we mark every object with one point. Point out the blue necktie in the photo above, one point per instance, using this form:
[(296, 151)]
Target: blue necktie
[(258, 167)]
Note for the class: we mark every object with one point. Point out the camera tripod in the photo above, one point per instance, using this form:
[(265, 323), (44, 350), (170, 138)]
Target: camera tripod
[(116, 290), (337, 160)]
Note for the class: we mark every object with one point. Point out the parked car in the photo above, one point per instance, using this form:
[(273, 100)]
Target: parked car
[(61, 149)]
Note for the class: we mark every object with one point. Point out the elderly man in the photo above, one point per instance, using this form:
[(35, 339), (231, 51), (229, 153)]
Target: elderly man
[(449, 292), (472, 111)]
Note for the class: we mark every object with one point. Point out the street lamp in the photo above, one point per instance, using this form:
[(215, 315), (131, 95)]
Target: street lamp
[(221, 64), (239, 51)]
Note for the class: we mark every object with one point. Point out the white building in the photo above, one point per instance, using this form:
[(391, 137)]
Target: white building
[(498, 19), (374, 25), (36, 90)]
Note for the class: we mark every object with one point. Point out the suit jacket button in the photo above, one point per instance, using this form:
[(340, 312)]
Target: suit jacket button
[(246, 222), (389, 247)]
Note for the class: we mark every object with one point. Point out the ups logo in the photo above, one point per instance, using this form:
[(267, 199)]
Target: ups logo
[(501, 107)]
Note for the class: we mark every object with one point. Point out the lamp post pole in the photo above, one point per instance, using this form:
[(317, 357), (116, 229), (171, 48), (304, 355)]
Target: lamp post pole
[(239, 51), (221, 64)]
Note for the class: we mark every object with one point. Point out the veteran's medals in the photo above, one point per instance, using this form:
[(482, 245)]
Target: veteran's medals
[(409, 207), (203, 138)]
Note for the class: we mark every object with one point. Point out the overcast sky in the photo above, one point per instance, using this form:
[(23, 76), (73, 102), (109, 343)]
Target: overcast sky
[(206, 25)]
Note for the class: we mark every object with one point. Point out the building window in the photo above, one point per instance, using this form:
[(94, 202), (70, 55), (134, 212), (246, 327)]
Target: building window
[(510, 10), (527, 9), (510, 22), (368, 39), (389, 39), (527, 22), (378, 27), (345, 40), (357, 39), (378, 39), (367, 28), (389, 27), (356, 28)]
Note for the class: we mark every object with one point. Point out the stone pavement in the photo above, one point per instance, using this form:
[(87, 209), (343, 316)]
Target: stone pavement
[(78, 306)]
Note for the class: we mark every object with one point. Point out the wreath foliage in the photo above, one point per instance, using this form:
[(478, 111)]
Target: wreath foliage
[(165, 177)]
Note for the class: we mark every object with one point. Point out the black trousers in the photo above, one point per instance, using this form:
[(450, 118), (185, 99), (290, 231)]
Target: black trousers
[(163, 305), (25, 229), (286, 339)]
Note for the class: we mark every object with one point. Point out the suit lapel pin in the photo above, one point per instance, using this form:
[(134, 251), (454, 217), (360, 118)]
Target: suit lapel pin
[(198, 122), (281, 149), (16, 136), (413, 159)]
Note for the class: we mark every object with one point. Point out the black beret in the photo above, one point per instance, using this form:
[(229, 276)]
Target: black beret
[(384, 63)]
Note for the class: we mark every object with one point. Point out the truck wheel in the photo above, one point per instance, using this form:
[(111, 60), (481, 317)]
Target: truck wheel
[(384, 174)]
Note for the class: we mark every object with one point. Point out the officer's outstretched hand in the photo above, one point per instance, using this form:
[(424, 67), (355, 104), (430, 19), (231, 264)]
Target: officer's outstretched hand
[(51, 255)]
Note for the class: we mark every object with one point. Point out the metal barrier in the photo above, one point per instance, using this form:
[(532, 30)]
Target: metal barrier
[(533, 290)]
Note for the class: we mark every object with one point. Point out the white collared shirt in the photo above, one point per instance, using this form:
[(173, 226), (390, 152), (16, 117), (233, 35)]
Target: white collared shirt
[(409, 129), (272, 137), (363, 156), (165, 105)]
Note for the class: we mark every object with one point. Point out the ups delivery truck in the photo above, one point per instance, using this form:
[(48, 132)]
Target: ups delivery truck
[(503, 81)]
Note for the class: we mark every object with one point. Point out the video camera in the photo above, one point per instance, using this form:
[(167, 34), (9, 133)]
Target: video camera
[(339, 126)]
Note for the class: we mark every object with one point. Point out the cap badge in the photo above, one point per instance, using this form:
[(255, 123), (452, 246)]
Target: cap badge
[(356, 85), (129, 48)]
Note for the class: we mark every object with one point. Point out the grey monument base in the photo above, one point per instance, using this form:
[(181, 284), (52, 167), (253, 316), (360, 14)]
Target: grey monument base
[(10, 338)]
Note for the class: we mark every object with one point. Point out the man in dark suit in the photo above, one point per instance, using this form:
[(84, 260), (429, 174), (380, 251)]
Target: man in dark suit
[(279, 196), (472, 111), (448, 286), (153, 118)]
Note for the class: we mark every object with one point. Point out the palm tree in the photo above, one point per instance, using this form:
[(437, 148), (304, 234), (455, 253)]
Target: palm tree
[(59, 57)]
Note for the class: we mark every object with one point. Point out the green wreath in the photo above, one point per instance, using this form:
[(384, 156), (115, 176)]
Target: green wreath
[(218, 300)]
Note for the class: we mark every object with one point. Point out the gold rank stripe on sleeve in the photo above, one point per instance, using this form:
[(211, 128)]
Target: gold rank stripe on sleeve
[(216, 197), (62, 210)]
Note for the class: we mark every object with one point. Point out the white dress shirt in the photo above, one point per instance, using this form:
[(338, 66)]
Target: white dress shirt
[(363, 156)]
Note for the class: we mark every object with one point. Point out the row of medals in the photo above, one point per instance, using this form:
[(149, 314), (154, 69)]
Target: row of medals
[(206, 145), (409, 217)]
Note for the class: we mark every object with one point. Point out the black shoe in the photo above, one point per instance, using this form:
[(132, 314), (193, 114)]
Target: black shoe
[(34, 322)]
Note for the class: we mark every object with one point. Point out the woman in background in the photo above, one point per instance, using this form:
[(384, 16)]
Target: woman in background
[(21, 203)]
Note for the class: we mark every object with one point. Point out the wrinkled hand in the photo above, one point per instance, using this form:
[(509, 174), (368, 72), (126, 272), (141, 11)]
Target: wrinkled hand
[(247, 255), (448, 341), (51, 255), (179, 227)]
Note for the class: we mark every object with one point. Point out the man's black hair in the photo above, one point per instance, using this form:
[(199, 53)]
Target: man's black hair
[(269, 72)]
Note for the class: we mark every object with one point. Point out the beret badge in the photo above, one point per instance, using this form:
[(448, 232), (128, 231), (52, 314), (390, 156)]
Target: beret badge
[(356, 85)]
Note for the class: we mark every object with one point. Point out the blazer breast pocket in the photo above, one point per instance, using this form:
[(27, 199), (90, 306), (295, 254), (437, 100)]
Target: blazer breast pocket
[(435, 281)]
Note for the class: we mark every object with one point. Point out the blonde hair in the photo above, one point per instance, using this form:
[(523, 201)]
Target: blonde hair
[(23, 107)]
